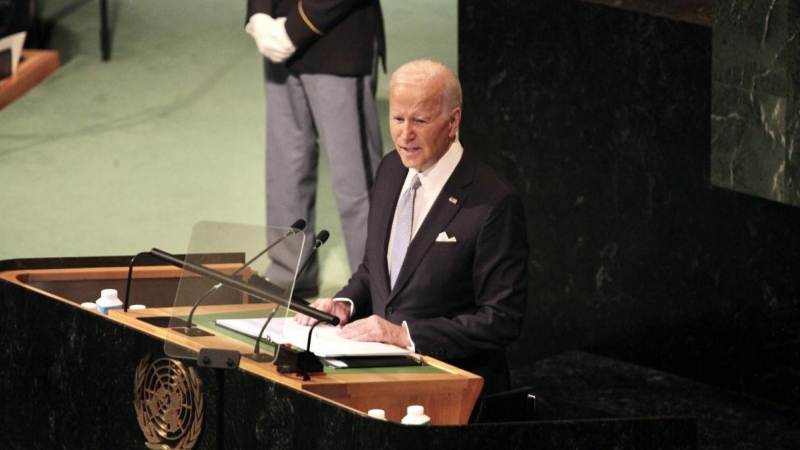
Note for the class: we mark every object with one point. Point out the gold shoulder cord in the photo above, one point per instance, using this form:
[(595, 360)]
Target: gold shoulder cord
[(305, 19)]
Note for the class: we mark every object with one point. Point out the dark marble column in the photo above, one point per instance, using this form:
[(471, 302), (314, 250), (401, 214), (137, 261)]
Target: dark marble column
[(601, 117), (754, 98)]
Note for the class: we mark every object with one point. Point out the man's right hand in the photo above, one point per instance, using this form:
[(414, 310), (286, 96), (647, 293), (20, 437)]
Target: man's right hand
[(326, 304)]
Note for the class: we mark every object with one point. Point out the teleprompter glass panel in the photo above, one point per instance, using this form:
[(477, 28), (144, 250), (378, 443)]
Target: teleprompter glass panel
[(225, 306)]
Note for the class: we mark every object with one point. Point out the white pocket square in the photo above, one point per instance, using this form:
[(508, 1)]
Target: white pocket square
[(442, 237)]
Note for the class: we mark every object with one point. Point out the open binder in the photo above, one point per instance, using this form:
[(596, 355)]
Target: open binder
[(325, 339)]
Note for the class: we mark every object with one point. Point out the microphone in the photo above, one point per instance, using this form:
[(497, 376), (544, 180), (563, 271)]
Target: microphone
[(322, 238), (296, 227)]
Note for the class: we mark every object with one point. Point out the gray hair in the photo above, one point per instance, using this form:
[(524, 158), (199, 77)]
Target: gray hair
[(427, 71)]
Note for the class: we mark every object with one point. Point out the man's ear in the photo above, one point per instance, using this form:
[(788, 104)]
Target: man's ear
[(455, 121)]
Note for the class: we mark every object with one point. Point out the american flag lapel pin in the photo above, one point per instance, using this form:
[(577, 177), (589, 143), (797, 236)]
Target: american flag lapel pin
[(453, 200)]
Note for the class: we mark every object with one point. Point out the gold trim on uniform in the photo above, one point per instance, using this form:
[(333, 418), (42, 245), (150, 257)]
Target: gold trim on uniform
[(306, 20)]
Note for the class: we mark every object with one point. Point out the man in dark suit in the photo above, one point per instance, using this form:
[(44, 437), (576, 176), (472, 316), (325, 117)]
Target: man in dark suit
[(320, 67), (456, 288)]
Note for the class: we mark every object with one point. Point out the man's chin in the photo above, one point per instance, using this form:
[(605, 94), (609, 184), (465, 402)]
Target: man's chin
[(409, 158)]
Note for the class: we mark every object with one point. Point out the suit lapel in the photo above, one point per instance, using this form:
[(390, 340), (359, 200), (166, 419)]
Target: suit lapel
[(453, 196)]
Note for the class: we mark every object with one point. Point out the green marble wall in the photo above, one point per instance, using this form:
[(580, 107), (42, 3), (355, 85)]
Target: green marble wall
[(602, 118), (754, 101)]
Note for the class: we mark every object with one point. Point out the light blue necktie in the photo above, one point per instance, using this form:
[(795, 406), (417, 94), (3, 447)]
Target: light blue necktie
[(402, 228)]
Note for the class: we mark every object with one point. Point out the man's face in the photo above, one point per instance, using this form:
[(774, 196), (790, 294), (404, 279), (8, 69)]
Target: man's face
[(422, 132)]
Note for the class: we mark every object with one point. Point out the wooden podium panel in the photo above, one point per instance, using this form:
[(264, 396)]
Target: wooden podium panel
[(34, 66), (447, 395)]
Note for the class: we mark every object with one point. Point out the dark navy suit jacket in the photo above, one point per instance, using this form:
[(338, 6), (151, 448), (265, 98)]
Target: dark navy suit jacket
[(463, 301)]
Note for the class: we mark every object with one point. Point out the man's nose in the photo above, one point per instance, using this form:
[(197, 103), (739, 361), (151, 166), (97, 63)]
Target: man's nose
[(408, 131)]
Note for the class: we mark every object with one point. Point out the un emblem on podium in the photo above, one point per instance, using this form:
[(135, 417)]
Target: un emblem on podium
[(168, 399)]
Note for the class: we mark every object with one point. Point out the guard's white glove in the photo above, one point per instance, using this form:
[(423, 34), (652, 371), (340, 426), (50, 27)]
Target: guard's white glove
[(270, 36)]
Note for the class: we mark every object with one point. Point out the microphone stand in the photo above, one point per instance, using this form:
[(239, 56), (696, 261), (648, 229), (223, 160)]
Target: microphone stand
[(130, 275), (287, 359)]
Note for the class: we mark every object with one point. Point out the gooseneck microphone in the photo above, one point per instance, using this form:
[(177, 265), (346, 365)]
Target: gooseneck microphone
[(296, 227), (288, 360), (322, 237)]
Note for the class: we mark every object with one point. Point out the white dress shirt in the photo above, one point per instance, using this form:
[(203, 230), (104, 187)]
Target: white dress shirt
[(432, 180)]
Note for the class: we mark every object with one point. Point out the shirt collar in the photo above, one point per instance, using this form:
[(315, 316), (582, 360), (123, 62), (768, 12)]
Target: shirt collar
[(434, 177)]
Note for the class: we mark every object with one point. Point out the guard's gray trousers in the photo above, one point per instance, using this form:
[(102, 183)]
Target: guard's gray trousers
[(340, 113)]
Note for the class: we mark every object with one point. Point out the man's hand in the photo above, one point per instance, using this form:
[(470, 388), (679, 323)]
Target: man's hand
[(270, 36), (376, 329), (338, 309)]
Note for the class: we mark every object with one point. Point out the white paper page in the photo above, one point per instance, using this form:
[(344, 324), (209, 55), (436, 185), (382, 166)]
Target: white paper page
[(325, 342), (14, 42), (252, 328)]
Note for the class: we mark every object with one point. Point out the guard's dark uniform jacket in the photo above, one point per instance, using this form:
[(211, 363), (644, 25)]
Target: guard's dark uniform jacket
[(337, 37)]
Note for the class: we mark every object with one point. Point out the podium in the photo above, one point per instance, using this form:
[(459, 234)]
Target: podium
[(75, 378)]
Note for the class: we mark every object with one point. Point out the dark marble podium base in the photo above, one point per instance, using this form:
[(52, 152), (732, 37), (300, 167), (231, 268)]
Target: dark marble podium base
[(68, 382)]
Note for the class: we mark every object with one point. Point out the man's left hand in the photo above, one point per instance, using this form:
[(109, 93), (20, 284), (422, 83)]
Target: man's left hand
[(376, 329), (270, 36)]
